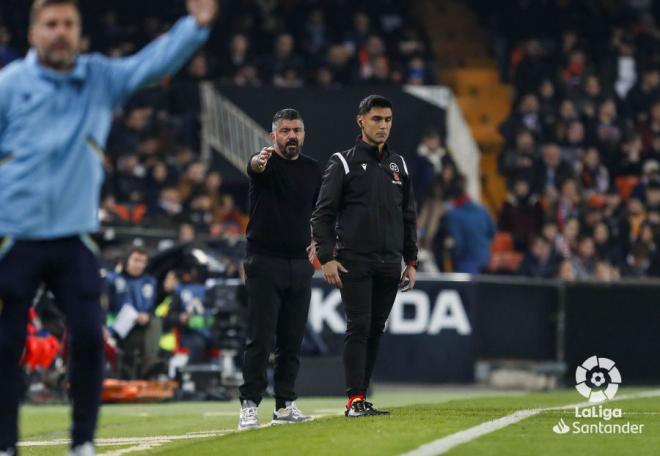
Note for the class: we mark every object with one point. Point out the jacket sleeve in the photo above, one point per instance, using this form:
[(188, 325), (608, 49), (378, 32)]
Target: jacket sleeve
[(162, 57), (324, 216), (409, 223)]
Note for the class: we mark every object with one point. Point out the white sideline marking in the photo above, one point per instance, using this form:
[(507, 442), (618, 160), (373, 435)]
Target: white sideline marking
[(451, 441), (133, 449), (143, 442), (130, 440)]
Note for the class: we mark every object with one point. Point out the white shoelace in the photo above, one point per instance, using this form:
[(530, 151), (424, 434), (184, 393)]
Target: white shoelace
[(295, 411), (249, 413)]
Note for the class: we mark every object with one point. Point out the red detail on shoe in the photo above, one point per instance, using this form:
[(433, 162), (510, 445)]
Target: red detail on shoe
[(352, 398)]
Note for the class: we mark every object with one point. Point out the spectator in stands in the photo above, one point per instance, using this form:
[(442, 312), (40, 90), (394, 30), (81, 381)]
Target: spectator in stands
[(356, 37), (471, 231), (547, 96), (522, 214), (550, 171), (638, 262), (316, 34), (247, 76), (584, 258), (567, 239), (591, 97), (572, 148), (567, 115), (192, 183), (629, 160), (606, 248), (283, 59), (568, 203), (159, 177), (200, 212), (606, 130), (372, 60), (167, 213), (519, 160), (237, 57), (604, 271), (186, 233), (231, 220), (131, 296), (532, 68), (527, 116), (129, 181), (539, 261), (339, 63), (431, 157), (594, 177), (643, 94)]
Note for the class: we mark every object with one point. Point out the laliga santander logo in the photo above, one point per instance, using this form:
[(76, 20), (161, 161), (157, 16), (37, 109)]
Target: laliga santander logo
[(597, 379)]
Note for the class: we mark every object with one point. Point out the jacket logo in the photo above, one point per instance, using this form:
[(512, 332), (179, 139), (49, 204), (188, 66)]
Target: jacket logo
[(364, 166), (394, 168), (396, 177)]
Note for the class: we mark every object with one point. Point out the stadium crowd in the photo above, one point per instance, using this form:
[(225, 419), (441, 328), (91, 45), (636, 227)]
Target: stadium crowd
[(154, 174), (582, 143)]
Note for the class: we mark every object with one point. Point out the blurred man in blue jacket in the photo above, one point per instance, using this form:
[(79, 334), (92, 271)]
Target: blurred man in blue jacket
[(131, 306), (55, 114), (471, 230)]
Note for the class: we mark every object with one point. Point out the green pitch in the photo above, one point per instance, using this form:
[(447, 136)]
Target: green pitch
[(418, 417)]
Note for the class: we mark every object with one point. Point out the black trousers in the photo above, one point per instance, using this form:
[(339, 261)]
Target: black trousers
[(278, 292), (368, 293), (70, 269)]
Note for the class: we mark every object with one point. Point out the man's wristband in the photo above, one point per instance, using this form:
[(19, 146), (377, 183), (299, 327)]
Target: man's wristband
[(412, 263)]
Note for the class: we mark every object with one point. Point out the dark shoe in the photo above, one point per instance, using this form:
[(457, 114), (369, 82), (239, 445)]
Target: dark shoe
[(357, 409), (373, 410)]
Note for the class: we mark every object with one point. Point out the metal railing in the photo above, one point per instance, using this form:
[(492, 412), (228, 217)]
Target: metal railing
[(228, 130)]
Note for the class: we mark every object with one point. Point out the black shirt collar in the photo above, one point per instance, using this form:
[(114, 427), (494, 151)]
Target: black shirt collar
[(372, 151)]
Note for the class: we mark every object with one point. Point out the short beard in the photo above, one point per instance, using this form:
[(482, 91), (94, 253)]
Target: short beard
[(59, 62), (289, 154)]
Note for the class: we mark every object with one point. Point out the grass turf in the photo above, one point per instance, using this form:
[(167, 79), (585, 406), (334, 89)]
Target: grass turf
[(442, 412)]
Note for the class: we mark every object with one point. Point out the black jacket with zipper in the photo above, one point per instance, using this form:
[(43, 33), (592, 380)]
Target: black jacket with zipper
[(366, 207)]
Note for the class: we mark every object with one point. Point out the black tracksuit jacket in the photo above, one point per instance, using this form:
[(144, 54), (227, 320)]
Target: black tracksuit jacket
[(366, 207)]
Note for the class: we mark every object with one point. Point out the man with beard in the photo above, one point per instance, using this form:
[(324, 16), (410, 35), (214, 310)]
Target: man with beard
[(283, 187), (56, 108), (363, 224)]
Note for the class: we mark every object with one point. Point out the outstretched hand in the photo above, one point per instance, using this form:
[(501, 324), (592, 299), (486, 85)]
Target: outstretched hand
[(204, 11), (261, 160)]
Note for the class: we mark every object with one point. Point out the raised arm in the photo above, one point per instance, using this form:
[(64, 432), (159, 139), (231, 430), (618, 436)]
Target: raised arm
[(165, 55)]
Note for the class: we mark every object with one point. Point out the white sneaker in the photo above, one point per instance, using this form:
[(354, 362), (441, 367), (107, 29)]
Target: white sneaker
[(289, 415), (85, 449), (8, 452), (248, 418)]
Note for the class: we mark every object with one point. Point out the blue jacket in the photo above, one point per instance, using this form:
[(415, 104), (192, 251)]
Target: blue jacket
[(139, 292), (191, 298), (472, 229), (54, 126)]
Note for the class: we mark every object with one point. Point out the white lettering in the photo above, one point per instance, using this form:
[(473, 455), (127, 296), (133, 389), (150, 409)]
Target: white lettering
[(598, 412), (449, 314), (398, 324), (325, 311)]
